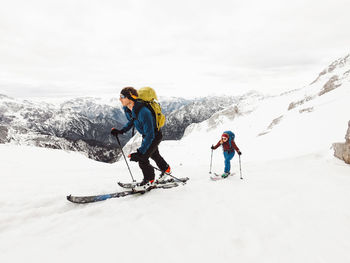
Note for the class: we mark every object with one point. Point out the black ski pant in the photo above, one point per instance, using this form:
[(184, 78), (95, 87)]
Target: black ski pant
[(153, 153)]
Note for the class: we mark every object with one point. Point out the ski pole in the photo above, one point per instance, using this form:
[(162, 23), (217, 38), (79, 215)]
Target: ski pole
[(120, 146), (211, 160), (168, 174), (240, 170)]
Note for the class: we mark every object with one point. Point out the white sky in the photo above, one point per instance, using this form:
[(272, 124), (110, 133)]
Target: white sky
[(181, 48)]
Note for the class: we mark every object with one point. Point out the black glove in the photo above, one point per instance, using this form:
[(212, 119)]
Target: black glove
[(239, 153), (135, 157), (212, 147), (115, 132)]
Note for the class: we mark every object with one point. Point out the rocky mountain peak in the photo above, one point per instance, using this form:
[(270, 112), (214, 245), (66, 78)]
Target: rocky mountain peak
[(338, 64)]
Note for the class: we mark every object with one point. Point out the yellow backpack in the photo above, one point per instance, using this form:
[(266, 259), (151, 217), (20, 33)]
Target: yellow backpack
[(149, 97)]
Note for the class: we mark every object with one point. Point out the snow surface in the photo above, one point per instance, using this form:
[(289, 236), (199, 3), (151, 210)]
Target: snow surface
[(291, 206)]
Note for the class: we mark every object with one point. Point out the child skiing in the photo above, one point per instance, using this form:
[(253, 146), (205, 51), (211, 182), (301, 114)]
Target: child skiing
[(141, 117), (229, 147)]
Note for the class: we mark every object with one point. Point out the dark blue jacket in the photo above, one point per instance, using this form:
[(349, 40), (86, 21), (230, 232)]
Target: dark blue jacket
[(142, 118)]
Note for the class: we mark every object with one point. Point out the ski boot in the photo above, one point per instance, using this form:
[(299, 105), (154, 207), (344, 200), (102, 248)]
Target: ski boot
[(225, 175), (144, 186), (164, 175)]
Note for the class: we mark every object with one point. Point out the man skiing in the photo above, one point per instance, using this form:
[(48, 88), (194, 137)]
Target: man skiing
[(140, 117), (229, 147)]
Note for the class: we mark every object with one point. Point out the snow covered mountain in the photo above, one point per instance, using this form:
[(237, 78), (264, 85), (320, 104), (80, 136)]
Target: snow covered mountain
[(269, 118), (291, 206), (194, 111), (80, 125), (83, 124)]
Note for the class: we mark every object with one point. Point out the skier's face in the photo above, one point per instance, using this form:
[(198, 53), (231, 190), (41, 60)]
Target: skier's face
[(124, 100), (224, 139)]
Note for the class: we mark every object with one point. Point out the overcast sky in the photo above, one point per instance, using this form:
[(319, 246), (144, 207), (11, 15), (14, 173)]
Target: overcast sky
[(181, 48)]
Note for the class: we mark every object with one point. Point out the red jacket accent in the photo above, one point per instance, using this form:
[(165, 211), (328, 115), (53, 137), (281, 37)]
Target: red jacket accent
[(226, 145)]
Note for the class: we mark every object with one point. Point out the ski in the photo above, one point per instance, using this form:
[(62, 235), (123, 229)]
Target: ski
[(127, 185), (97, 198), (170, 180)]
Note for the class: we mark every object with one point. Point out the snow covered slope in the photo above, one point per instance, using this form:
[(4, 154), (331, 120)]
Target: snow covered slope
[(291, 210), (291, 206), (297, 122)]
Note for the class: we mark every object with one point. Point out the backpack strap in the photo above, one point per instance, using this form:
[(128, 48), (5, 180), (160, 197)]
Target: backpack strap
[(140, 105)]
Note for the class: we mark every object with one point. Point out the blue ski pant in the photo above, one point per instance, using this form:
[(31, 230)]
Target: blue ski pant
[(228, 157)]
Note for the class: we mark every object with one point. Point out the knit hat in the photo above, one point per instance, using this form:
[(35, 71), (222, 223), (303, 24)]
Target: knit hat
[(225, 135)]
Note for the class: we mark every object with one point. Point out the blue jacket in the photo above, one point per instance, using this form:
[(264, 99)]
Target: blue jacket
[(142, 118)]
